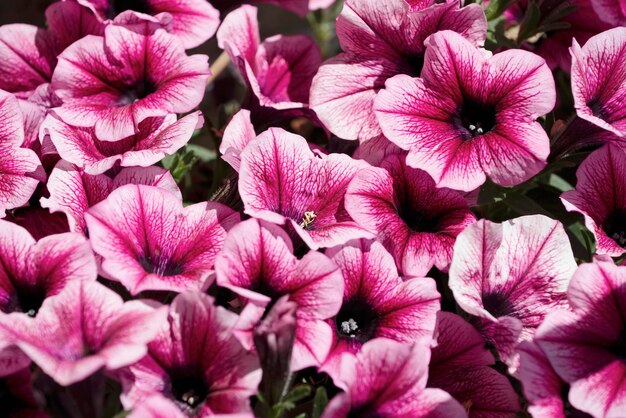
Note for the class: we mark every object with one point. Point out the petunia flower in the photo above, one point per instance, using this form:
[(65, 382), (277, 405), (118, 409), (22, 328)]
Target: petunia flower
[(282, 181), (380, 40), (377, 302), (238, 133), (83, 329), (257, 263), (72, 191), (20, 169), (113, 83), (157, 406), (510, 275), (388, 379), (18, 398), (191, 21), (416, 221), (460, 365), (470, 116), (278, 70), (157, 137), (203, 370), (600, 196), (611, 11), (586, 346), (598, 77), (32, 271)]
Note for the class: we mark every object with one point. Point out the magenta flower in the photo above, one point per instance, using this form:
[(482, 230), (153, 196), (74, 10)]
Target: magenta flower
[(600, 196), (85, 328), (510, 275), (282, 181), (204, 370), (598, 77), (72, 191), (460, 365), (416, 221), (388, 379), (278, 70), (380, 40), (149, 241), (586, 346), (193, 22), (611, 11), (32, 271), (258, 264), (238, 133), (470, 116), (156, 138), (377, 303), (114, 82), (18, 399), (20, 169)]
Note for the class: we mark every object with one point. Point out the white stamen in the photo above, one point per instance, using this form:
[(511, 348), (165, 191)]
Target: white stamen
[(349, 326)]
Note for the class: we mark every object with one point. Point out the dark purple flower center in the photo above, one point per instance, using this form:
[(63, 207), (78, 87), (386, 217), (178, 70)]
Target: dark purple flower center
[(597, 109), (615, 226), (160, 265), (619, 347), (118, 6), (364, 411), (140, 90), (474, 119), (497, 304), (26, 300), (356, 320), (189, 390), (418, 221)]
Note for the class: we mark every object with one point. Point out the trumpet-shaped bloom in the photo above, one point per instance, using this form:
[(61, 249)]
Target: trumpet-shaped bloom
[(611, 11), (85, 328), (380, 40), (470, 116), (282, 181), (586, 346), (20, 169), (388, 379), (510, 276), (460, 365), (416, 221), (258, 264), (194, 363), (598, 79), (72, 191), (32, 271), (278, 70), (113, 83), (156, 138), (600, 196), (377, 303), (191, 21), (149, 241)]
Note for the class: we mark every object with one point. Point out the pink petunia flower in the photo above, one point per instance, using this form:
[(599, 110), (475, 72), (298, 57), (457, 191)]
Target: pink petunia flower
[(459, 364), (20, 169), (377, 303), (586, 346), (203, 370), (238, 133), (416, 221), (510, 275), (191, 21), (85, 328), (470, 116), (611, 11), (113, 83), (598, 77), (380, 40), (149, 241), (258, 264), (388, 379), (600, 196), (32, 271), (282, 181), (157, 137), (72, 191), (278, 70)]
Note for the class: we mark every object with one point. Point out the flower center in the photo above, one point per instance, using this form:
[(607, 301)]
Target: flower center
[(190, 391), (26, 300), (140, 90), (364, 411), (497, 304), (597, 109), (475, 119), (308, 219), (615, 226), (619, 347), (356, 320), (160, 265), (118, 6)]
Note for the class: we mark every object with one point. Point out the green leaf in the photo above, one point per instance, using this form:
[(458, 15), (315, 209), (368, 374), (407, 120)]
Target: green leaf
[(497, 7), (319, 402), (203, 154), (180, 163), (530, 22), (559, 183), (297, 393), (524, 205)]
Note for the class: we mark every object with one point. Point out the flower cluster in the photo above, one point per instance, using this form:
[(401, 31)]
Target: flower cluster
[(409, 208)]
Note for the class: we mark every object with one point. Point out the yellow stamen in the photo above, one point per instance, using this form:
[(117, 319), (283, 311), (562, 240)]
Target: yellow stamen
[(308, 219)]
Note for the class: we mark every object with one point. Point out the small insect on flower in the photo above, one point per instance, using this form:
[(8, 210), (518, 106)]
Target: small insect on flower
[(308, 219)]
